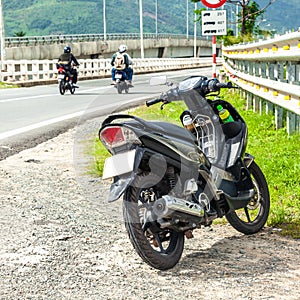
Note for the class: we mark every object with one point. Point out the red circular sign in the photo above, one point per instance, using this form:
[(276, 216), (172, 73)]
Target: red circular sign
[(213, 3)]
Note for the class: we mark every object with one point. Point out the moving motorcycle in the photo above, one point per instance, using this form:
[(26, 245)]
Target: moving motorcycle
[(176, 179), (121, 82), (64, 78)]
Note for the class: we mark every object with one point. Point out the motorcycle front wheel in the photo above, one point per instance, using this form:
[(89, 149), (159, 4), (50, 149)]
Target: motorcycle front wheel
[(61, 87), (160, 248), (72, 89), (126, 88), (252, 218)]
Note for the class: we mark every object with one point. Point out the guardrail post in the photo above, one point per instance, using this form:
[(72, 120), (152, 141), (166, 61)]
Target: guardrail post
[(256, 69), (279, 71), (263, 69), (269, 108), (249, 101), (261, 105), (278, 117), (256, 101), (290, 122), (297, 73), (291, 72), (271, 71)]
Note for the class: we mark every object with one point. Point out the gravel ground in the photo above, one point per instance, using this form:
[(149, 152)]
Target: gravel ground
[(60, 239)]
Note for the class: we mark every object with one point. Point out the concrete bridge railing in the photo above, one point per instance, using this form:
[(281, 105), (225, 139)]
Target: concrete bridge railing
[(268, 73), (86, 46), (70, 38), (28, 73)]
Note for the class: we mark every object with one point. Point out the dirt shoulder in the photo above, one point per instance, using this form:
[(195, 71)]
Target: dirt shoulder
[(60, 239)]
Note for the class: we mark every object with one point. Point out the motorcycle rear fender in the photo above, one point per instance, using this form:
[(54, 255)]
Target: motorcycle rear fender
[(122, 182), (119, 186)]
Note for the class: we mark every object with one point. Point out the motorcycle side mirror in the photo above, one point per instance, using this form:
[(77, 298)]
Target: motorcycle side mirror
[(158, 80)]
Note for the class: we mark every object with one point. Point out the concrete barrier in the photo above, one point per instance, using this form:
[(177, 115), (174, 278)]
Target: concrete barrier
[(33, 72)]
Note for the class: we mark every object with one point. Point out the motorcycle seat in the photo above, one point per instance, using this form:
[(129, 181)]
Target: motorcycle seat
[(172, 130)]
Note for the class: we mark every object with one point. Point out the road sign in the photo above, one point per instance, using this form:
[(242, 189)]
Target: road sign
[(213, 3), (214, 22)]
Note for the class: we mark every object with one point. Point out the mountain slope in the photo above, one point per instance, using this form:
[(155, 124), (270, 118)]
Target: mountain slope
[(45, 17), (281, 15)]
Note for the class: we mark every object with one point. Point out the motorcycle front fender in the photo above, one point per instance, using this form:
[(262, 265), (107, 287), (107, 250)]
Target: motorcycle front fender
[(248, 159)]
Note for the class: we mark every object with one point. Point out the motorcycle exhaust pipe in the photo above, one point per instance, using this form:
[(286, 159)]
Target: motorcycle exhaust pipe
[(167, 205)]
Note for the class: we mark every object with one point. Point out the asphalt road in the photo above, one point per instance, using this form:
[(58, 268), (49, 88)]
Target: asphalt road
[(29, 116)]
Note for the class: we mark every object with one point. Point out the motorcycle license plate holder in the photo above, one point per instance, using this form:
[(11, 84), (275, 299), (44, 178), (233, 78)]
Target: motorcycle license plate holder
[(119, 164), (118, 76), (61, 76)]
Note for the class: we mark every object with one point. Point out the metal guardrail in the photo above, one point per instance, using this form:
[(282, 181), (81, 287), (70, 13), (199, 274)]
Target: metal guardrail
[(60, 38), (269, 75)]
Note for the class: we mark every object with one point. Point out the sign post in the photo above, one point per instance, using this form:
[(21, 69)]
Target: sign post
[(2, 41), (219, 27)]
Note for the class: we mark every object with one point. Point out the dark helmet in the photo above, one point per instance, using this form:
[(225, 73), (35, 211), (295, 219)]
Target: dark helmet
[(67, 49)]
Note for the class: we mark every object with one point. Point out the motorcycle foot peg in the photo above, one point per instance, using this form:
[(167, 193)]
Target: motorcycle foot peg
[(189, 234)]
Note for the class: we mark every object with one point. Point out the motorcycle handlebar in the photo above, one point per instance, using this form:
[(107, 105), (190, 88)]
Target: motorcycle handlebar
[(224, 85), (213, 85), (153, 101), (208, 86)]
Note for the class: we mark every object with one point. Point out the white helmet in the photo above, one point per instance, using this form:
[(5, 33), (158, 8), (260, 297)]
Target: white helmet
[(122, 48)]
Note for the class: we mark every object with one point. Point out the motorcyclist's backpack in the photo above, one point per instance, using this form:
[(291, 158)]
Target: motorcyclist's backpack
[(119, 62)]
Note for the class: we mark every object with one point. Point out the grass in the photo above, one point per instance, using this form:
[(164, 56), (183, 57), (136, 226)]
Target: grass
[(4, 85), (277, 154)]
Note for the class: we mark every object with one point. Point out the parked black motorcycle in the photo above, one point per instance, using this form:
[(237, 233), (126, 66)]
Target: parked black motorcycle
[(64, 78), (177, 179)]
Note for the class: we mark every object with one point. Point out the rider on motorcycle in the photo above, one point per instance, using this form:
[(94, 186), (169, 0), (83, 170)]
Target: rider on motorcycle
[(127, 62), (66, 59)]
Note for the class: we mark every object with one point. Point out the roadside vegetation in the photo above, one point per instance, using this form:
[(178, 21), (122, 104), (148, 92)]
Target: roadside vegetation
[(4, 85), (276, 153)]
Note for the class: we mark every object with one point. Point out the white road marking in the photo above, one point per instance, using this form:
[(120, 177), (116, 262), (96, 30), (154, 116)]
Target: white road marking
[(49, 95), (17, 131)]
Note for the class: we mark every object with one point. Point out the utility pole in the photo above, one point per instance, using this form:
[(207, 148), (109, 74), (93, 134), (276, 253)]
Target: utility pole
[(187, 19), (195, 31), (141, 29), (156, 16), (2, 40), (104, 20)]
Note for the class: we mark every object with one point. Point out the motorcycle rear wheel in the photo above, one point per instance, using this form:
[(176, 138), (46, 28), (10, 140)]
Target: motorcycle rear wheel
[(252, 218), (61, 87), (159, 248), (119, 88)]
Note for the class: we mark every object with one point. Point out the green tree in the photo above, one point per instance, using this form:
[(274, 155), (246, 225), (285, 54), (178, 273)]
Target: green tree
[(248, 14), (20, 33)]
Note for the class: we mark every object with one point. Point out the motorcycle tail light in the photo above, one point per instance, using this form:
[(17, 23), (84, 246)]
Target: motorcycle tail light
[(116, 136)]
